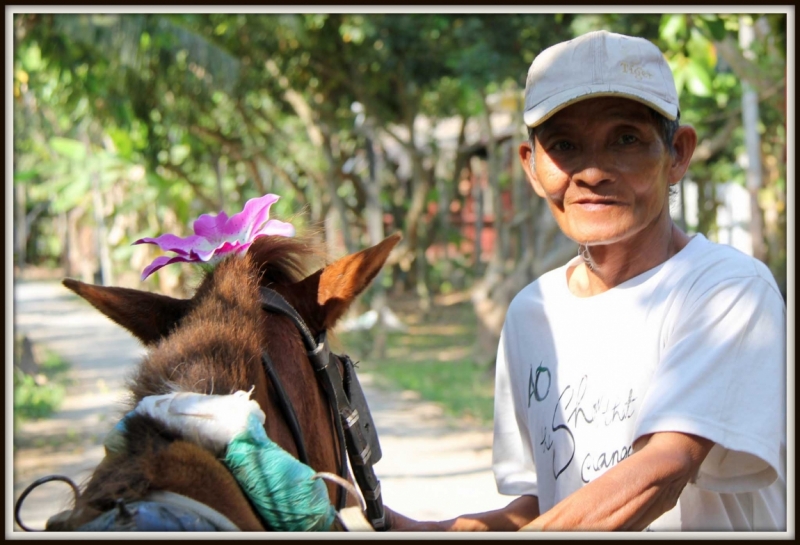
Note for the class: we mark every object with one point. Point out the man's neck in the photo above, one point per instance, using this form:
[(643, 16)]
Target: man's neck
[(607, 266)]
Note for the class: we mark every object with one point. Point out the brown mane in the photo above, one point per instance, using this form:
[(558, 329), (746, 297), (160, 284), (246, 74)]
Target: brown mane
[(225, 325), (212, 344)]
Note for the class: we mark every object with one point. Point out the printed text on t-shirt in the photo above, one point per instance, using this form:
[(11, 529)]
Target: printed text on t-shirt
[(572, 409)]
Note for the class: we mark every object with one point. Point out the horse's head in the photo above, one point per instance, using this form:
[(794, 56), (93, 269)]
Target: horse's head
[(322, 298), (213, 343)]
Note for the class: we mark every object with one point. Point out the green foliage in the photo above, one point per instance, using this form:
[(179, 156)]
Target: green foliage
[(672, 26), (34, 401), (169, 116), (71, 149), (53, 365), (39, 396)]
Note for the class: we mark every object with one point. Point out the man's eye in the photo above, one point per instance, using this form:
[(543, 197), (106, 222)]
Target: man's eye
[(628, 139), (561, 145)]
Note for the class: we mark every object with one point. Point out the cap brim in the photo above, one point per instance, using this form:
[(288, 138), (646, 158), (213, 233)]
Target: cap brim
[(547, 108)]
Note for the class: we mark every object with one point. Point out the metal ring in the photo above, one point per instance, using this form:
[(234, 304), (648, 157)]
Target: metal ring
[(30, 489)]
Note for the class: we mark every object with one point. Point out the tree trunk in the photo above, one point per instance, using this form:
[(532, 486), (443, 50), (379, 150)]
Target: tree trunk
[(414, 224), (493, 169), (62, 231), (332, 179), (477, 206), (104, 274), (21, 229), (103, 251), (446, 196), (753, 145), (375, 232)]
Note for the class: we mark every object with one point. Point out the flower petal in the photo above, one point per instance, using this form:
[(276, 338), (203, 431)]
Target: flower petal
[(160, 262), (256, 211), (216, 254), (211, 227), (173, 243), (217, 236), (276, 227)]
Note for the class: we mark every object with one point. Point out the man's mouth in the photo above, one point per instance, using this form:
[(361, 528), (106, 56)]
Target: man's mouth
[(595, 203)]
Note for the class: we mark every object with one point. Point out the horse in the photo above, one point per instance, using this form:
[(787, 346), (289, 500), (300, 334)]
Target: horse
[(218, 342)]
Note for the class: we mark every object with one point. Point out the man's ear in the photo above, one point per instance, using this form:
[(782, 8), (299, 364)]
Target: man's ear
[(525, 156), (684, 143)]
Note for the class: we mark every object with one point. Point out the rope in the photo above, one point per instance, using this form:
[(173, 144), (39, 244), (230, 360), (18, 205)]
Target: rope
[(344, 483), (35, 484)]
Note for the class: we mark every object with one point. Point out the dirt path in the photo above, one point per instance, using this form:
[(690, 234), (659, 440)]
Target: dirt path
[(432, 468)]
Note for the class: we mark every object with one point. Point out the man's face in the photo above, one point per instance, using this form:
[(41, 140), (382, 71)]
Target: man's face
[(604, 170)]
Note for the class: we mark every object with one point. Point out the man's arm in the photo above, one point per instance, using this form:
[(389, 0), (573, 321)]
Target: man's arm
[(512, 517), (629, 496), (636, 491)]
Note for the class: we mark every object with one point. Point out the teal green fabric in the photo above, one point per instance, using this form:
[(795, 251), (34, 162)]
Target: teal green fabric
[(114, 443), (280, 487)]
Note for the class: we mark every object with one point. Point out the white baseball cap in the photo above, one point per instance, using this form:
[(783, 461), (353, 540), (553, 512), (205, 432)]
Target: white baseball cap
[(598, 64)]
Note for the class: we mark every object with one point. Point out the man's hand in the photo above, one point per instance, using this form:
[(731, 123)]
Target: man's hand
[(400, 523), (509, 518), (636, 491)]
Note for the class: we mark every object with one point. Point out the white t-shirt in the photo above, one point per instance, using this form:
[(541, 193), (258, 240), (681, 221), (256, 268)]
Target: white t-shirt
[(696, 345)]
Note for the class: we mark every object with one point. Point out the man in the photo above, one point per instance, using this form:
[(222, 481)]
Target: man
[(642, 385)]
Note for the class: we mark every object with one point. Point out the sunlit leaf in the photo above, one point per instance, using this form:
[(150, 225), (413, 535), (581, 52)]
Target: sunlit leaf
[(72, 149), (715, 26), (698, 80), (701, 50), (677, 65), (179, 153), (122, 141), (72, 194), (25, 175), (32, 58), (671, 27)]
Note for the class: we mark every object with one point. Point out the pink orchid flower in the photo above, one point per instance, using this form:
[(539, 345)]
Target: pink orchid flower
[(218, 236)]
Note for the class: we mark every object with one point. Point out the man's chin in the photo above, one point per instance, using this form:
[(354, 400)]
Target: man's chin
[(595, 239)]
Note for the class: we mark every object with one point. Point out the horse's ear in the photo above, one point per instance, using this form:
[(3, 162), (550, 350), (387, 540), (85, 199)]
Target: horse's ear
[(148, 316), (338, 284)]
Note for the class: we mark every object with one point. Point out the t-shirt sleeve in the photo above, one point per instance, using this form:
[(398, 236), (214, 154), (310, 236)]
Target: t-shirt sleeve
[(512, 457), (722, 376)]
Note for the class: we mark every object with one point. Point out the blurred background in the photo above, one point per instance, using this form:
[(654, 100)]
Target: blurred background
[(132, 125)]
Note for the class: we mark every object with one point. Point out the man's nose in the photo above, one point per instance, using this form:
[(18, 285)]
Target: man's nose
[(594, 169)]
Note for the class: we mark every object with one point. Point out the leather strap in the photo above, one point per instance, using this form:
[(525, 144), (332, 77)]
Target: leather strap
[(272, 301), (286, 407), (352, 439)]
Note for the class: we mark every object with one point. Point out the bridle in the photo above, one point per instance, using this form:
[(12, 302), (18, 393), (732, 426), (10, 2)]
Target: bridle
[(355, 430)]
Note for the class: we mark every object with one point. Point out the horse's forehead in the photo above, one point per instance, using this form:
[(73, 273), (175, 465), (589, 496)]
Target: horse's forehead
[(228, 301)]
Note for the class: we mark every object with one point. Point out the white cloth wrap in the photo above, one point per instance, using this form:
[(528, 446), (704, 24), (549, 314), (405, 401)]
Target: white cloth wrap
[(210, 421)]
